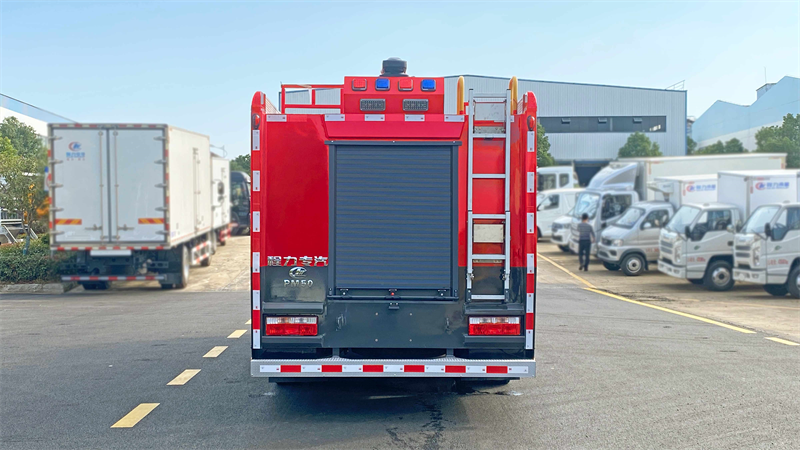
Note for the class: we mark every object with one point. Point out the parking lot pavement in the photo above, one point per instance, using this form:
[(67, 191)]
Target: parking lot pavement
[(746, 304), (165, 369)]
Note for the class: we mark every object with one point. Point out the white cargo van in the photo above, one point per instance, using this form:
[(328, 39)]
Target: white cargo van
[(697, 244), (132, 201), (220, 200), (767, 246), (555, 203), (556, 177)]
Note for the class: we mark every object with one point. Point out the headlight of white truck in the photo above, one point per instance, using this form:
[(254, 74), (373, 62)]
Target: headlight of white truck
[(617, 242), (757, 250), (678, 252)]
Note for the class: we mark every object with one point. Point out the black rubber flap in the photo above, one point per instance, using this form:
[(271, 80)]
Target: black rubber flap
[(393, 217)]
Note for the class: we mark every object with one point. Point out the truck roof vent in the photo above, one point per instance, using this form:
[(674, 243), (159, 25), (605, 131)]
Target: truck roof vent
[(394, 67)]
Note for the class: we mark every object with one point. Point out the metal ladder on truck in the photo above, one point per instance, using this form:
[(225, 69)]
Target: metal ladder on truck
[(494, 115)]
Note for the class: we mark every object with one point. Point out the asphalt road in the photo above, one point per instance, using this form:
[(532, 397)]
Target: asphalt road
[(611, 374)]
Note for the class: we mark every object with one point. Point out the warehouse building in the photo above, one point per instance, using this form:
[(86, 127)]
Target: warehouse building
[(585, 123), (724, 121)]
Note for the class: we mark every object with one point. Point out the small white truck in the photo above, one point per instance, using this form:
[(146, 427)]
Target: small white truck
[(133, 202), (554, 204), (556, 177), (767, 247), (697, 243)]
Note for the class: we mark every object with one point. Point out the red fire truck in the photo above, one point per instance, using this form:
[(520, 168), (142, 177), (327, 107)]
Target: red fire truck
[(390, 238)]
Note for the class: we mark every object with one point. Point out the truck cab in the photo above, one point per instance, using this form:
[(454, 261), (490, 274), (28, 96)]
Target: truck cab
[(767, 249), (240, 202), (696, 245), (554, 204), (604, 207), (631, 243)]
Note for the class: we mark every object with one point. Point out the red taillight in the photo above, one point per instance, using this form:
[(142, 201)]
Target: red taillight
[(494, 326), (291, 326)]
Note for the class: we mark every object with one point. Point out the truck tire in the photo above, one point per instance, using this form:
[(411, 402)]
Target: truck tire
[(96, 285), (777, 290), (610, 266), (793, 283), (186, 263), (633, 265), (719, 276), (564, 248)]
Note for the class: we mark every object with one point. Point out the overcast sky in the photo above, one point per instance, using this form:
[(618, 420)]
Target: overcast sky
[(196, 65)]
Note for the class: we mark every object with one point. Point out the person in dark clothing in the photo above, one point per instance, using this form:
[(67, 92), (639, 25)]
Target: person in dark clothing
[(586, 238)]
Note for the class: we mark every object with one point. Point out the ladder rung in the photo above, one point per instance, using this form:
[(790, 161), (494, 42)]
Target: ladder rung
[(487, 256), (489, 175), (488, 216), (487, 297), (488, 136), (488, 97)]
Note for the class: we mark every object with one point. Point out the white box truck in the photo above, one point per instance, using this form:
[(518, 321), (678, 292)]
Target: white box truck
[(627, 181), (697, 244), (133, 201), (767, 247), (220, 200), (556, 177), (631, 243)]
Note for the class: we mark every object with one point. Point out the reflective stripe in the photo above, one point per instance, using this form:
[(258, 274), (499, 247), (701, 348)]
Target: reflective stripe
[(390, 368), (531, 263), (531, 182), (531, 223), (256, 262)]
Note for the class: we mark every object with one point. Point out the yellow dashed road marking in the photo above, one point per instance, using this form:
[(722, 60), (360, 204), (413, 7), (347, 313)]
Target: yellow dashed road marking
[(672, 311), (237, 334), (214, 352), (137, 414), (184, 377), (249, 321), (781, 341), (558, 266)]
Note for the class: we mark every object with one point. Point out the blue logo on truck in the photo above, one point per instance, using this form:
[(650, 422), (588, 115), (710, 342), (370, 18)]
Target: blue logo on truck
[(701, 187), (767, 185), (75, 151)]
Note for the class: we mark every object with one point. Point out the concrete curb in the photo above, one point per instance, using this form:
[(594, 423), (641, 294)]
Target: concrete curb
[(38, 288)]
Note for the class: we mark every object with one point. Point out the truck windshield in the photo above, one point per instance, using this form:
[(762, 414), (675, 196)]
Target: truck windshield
[(629, 219), (759, 218), (685, 216), (587, 203), (547, 181)]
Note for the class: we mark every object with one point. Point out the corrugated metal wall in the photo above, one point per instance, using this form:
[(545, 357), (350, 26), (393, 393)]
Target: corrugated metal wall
[(569, 100)]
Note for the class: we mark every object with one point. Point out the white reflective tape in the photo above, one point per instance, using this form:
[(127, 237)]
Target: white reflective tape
[(257, 300), (476, 369), (269, 368), (453, 118), (531, 141), (434, 369), (256, 262), (374, 118), (311, 368), (276, 117), (334, 117), (393, 368), (529, 303), (517, 369), (256, 180), (528, 339), (531, 223), (358, 368), (256, 221), (257, 340), (512, 119), (531, 181), (256, 140), (531, 263), (415, 118)]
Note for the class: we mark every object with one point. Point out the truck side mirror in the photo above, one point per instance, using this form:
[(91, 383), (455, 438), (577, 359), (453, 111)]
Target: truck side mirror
[(768, 230), (604, 224), (731, 229)]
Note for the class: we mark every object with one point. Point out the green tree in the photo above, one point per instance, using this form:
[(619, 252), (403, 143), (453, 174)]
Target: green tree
[(782, 139), (22, 161), (691, 145), (639, 145), (732, 146), (23, 138), (543, 156), (241, 164)]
